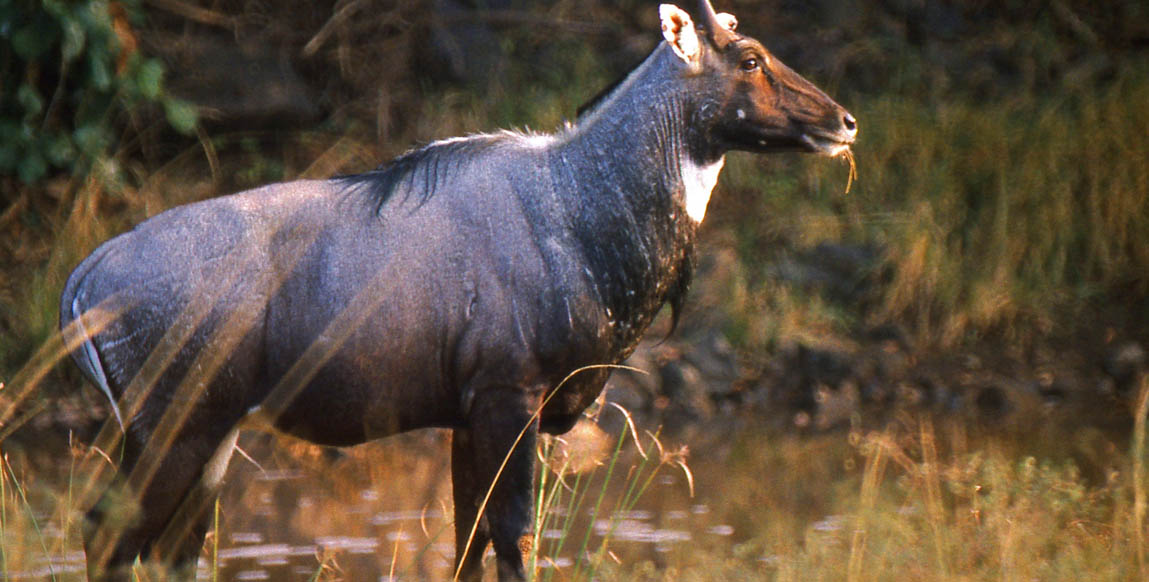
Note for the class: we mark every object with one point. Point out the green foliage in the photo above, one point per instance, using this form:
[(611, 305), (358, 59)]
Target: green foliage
[(67, 70)]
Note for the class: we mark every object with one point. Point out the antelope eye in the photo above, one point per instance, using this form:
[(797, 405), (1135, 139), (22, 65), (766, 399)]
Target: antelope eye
[(749, 64)]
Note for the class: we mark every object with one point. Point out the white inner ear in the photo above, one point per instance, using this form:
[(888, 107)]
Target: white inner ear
[(727, 20), (678, 30)]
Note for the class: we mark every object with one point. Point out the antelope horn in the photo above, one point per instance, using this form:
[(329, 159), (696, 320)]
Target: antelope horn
[(718, 34)]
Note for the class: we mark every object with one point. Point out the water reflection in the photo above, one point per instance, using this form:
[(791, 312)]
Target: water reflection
[(383, 511), (50, 568)]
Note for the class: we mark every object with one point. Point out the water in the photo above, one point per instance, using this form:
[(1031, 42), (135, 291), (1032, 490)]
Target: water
[(769, 504), (383, 511)]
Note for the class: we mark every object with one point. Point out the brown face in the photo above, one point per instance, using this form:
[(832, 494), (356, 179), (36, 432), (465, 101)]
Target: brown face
[(767, 107)]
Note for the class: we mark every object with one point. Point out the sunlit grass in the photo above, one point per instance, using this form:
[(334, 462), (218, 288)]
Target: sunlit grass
[(585, 479), (920, 499), (913, 503), (587, 475)]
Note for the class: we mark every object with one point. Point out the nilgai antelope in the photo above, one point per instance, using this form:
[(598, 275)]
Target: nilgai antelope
[(456, 286)]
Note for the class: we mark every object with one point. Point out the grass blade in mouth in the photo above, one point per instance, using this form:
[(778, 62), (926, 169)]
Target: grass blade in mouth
[(848, 154)]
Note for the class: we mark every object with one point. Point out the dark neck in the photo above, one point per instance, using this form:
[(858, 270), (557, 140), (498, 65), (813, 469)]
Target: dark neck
[(642, 132), (625, 161)]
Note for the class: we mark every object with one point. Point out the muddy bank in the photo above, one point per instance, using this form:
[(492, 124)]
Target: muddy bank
[(1071, 392), (820, 387)]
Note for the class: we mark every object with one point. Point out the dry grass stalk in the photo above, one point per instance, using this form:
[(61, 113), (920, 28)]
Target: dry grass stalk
[(872, 476), (1139, 476), (848, 154), (506, 459)]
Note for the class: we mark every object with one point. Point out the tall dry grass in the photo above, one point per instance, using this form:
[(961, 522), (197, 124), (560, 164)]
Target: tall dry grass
[(923, 499), (994, 216)]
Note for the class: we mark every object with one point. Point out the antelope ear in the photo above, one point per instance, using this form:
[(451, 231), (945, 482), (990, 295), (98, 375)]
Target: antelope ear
[(727, 21), (678, 30)]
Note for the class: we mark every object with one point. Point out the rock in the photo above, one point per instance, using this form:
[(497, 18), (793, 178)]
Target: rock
[(685, 390), (717, 362), (1125, 364), (841, 272), (992, 402), (818, 387)]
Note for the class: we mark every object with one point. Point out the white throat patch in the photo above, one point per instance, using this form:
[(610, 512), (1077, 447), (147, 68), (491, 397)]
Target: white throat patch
[(699, 182)]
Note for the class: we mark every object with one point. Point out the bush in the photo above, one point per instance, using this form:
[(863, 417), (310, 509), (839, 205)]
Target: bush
[(67, 69)]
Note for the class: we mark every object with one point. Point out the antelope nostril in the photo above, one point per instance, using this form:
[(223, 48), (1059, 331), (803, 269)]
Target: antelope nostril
[(850, 123)]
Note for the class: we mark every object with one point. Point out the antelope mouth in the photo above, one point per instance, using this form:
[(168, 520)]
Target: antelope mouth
[(828, 144)]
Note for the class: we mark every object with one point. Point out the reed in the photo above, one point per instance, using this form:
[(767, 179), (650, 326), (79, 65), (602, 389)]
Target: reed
[(603, 489), (909, 502)]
